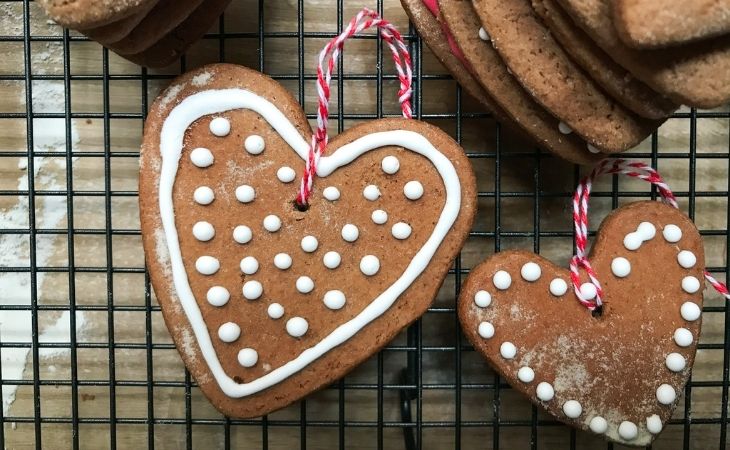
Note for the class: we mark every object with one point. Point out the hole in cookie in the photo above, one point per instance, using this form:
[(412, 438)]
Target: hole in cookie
[(598, 312), (237, 379), (301, 207)]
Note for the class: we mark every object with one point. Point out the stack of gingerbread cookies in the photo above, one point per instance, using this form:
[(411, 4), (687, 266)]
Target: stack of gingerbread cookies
[(152, 33), (570, 74)]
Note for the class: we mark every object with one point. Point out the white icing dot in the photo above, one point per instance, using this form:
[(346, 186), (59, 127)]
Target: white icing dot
[(220, 126), (272, 223), (672, 233), (207, 265), (331, 193), (485, 330), (690, 311), (203, 231), (252, 290), (369, 265), (201, 157), (483, 299), (390, 165), (598, 425), (507, 350), (242, 234), (592, 149), (690, 284), (401, 230), (296, 326), (413, 190), (350, 233), (665, 394), (282, 261), (621, 267), (628, 430), (371, 192), (229, 332), (588, 291), (331, 260), (309, 244), (249, 265), (502, 280), (654, 424), (686, 259), (564, 128), (305, 285), (526, 374), (675, 362), (646, 230), (558, 287), (683, 337), (203, 195), (254, 144), (530, 271), (248, 357), (379, 216), (275, 311), (572, 409), (245, 193), (286, 174), (545, 391), (483, 35), (334, 299), (217, 296), (632, 241)]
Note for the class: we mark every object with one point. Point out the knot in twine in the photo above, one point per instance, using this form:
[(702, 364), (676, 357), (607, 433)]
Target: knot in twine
[(327, 61), (580, 261)]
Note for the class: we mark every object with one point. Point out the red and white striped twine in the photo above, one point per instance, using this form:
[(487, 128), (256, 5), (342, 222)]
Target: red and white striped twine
[(365, 19), (634, 169)]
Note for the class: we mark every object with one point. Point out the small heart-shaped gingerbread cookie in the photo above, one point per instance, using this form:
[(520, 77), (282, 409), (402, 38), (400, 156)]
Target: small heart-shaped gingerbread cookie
[(268, 303), (618, 374)]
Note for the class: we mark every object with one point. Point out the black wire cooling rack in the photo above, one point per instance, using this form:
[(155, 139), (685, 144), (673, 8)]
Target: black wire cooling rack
[(428, 389)]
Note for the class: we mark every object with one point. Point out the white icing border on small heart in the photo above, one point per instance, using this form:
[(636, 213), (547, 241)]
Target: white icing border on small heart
[(209, 102)]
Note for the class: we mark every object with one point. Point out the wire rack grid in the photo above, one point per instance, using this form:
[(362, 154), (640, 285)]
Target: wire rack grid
[(86, 359)]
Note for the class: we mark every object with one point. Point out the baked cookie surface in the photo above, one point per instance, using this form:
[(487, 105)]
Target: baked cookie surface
[(265, 302)]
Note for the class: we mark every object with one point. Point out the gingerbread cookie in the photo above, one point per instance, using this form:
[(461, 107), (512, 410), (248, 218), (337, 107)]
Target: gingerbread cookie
[(83, 14), (619, 374), (617, 81), (164, 18), (652, 24), (171, 47), (696, 74), (265, 302), (432, 33), (491, 72), (118, 30), (543, 68)]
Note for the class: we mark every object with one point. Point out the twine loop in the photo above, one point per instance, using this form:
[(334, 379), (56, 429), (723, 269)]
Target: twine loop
[(327, 62), (634, 169)]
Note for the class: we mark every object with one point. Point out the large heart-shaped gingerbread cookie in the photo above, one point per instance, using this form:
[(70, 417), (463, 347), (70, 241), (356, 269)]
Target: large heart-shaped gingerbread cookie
[(621, 373), (268, 303)]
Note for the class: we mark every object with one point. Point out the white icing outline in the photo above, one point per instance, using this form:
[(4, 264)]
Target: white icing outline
[(210, 102)]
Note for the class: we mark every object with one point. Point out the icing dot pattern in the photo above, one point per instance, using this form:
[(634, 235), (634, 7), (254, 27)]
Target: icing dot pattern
[(220, 126), (201, 157), (254, 144), (413, 190), (621, 267)]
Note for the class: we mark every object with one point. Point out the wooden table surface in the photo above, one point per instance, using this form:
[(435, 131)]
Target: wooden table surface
[(110, 272)]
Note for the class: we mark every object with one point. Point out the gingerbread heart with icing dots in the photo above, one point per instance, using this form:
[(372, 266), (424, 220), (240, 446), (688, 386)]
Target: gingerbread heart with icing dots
[(267, 303), (619, 374)]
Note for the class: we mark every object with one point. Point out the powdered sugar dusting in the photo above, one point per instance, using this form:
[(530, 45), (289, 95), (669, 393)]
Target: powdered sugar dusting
[(202, 79), (15, 288)]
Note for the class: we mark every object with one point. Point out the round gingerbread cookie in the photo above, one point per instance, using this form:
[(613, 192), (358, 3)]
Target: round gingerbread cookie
[(267, 302), (543, 68)]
